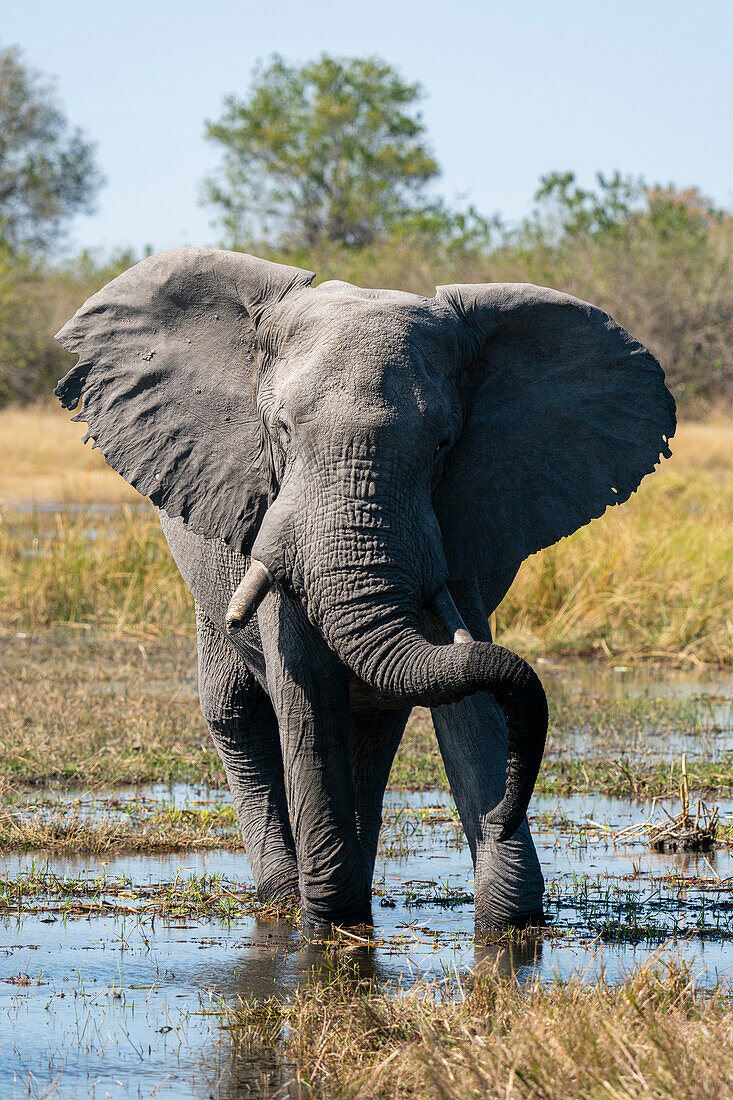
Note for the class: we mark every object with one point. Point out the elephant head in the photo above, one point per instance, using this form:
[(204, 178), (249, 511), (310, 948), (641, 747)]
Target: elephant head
[(366, 446)]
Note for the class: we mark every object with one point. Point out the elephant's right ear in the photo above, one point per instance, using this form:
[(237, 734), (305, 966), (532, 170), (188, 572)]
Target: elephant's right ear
[(167, 360)]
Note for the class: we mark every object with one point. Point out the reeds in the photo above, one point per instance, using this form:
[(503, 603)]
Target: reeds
[(682, 832)]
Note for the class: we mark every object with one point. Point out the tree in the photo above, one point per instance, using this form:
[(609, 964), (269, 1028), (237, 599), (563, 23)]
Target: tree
[(566, 211), (332, 150), (47, 169)]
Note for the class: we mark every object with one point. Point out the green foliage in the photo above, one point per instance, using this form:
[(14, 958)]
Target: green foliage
[(25, 354), (47, 170), (665, 274), (35, 301), (332, 150), (566, 211), (621, 206), (47, 174), (658, 259)]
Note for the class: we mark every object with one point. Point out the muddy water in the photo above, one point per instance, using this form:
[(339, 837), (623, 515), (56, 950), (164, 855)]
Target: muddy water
[(119, 1005)]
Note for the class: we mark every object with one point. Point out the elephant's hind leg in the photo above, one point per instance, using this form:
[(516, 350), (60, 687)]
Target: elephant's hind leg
[(244, 729)]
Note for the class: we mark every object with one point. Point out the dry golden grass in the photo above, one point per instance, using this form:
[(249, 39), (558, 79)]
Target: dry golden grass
[(651, 579), (42, 461), (704, 447), (111, 569), (654, 1036)]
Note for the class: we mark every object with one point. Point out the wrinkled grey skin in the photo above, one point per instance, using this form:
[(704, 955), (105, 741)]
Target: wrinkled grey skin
[(367, 447)]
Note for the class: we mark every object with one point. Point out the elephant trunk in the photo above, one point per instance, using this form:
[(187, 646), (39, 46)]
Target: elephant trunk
[(362, 589), (396, 661)]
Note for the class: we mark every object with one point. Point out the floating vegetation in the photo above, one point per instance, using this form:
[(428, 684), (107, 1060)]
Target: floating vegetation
[(189, 896), (683, 832)]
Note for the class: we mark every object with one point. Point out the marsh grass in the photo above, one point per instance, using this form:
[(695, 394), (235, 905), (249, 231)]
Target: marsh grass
[(61, 830), (655, 1035), (88, 710), (95, 710), (653, 579), (111, 569), (192, 896)]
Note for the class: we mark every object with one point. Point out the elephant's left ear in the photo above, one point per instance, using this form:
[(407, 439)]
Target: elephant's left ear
[(564, 415), (168, 358)]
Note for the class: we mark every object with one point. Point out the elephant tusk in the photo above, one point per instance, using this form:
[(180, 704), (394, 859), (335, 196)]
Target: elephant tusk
[(449, 618), (251, 591)]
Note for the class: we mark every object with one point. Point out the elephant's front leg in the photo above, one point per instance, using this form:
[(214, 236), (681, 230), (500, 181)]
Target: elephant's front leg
[(508, 883), (244, 729), (473, 742), (377, 736), (309, 690)]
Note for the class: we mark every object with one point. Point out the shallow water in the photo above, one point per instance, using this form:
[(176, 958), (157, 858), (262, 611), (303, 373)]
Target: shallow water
[(119, 1005), (709, 696), (115, 999), (599, 678)]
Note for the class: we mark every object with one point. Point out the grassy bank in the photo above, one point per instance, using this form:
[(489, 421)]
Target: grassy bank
[(95, 711), (653, 1036), (652, 579)]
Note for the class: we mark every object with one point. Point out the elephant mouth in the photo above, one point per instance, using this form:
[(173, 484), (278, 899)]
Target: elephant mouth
[(364, 698), (396, 667)]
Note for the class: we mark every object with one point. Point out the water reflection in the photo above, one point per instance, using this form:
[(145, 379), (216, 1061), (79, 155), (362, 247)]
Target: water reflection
[(521, 959), (126, 987)]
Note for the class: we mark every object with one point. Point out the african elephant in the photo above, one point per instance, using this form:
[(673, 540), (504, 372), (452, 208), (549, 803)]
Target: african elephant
[(348, 481)]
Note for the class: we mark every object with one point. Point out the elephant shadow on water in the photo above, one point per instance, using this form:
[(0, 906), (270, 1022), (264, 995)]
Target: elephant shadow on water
[(348, 481)]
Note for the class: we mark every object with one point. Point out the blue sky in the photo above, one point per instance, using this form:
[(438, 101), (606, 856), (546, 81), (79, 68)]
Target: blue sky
[(513, 90)]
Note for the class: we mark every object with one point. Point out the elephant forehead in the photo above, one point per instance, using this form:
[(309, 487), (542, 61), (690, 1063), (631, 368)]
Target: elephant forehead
[(369, 359), (373, 380), (343, 322)]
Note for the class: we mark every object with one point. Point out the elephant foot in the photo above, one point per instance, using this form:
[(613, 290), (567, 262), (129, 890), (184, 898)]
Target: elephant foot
[(279, 887), (319, 926), (488, 925)]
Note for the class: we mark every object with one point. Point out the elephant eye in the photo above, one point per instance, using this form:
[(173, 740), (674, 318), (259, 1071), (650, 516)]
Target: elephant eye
[(282, 431), (441, 448)]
